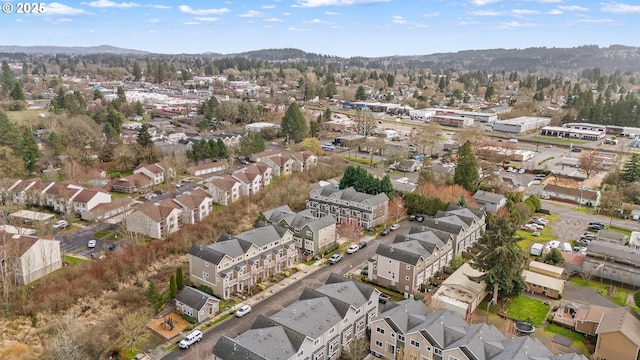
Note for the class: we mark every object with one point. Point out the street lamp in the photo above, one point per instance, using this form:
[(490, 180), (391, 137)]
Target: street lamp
[(488, 305)]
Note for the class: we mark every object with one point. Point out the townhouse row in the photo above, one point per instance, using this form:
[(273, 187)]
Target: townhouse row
[(66, 197), (321, 324), (411, 260)]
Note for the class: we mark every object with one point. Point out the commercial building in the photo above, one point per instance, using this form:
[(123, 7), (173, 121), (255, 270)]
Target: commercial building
[(520, 125)]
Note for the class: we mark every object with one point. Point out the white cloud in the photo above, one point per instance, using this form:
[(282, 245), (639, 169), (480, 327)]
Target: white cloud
[(61, 9), (483, 2), (525, 12), (332, 13), (555, 12), (433, 14), (273, 19), (154, 20), (515, 25), (191, 23), (188, 10), (268, 6), (485, 13), (110, 4), (64, 20), (595, 21), (20, 20), (294, 29), (572, 8), (319, 3), (159, 6), (468, 23), (252, 14), (206, 19), (286, 13), (546, 1), (618, 8), (398, 20), (320, 22)]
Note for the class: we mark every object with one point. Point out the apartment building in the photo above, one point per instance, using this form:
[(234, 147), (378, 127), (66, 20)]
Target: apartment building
[(312, 235), (349, 205), (235, 263), (410, 329), (320, 325)]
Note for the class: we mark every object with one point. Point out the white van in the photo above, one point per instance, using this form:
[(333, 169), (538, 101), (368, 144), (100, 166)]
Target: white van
[(566, 247), (513, 140), (536, 249), (191, 339)]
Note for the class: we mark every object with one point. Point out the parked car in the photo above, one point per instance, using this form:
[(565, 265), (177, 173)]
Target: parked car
[(190, 339), (598, 223), (383, 298), (91, 244), (353, 248), (535, 233), (362, 244), (576, 149), (595, 227), (61, 224), (111, 247), (244, 310), (420, 218), (384, 232), (412, 217), (394, 227), (335, 258)]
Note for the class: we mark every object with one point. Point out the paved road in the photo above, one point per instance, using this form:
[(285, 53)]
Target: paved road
[(269, 305)]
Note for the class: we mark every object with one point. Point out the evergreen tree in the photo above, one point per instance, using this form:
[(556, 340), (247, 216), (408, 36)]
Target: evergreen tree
[(387, 187), (139, 108), (361, 95), (251, 143), (466, 171), (29, 150), (259, 219), (154, 296), (9, 135), (8, 80), (114, 118), (314, 129), (631, 170), (172, 287), (17, 93), (137, 72), (223, 152), (294, 126), (500, 259), (490, 92), (144, 138), (111, 134), (179, 279), (55, 143), (122, 98)]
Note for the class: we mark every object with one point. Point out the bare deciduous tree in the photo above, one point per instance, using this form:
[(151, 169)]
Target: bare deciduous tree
[(357, 349), (132, 327), (67, 341), (591, 163)]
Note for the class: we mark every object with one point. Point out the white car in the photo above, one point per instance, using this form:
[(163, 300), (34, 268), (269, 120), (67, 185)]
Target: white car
[(244, 310), (91, 244), (190, 339), (353, 248), (394, 227), (60, 224), (535, 233)]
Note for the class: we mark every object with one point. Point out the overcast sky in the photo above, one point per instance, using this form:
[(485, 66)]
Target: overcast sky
[(332, 27)]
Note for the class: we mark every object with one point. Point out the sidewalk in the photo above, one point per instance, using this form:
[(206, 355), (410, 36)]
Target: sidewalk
[(305, 270)]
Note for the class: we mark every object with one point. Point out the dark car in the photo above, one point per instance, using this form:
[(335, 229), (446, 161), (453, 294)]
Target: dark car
[(384, 232), (577, 149), (111, 247), (362, 244), (595, 227), (598, 223)]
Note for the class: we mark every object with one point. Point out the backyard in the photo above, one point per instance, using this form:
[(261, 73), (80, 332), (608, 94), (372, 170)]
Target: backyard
[(524, 308)]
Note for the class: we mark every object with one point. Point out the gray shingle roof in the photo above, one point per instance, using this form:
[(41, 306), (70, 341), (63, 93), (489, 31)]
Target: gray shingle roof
[(350, 194), (206, 253), (488, 197), (311, 317), (193, 298), (228, 349)]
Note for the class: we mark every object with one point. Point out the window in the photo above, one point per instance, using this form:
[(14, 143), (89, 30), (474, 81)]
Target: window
[(316, 342), (380, 330), (400, 337), (437, 351), (332, 330), (415, 343), (379, 343), (205, 275), (408, 267), (301, 353), (309, 233), (206, 264), (406, 277)]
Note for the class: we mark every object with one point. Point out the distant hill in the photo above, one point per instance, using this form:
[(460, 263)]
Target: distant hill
[(541, 59), (83, 50)]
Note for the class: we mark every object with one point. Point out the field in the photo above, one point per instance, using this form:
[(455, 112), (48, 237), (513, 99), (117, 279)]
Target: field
[(524, 308), (26, 117)]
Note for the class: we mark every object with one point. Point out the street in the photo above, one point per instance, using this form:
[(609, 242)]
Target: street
[(269, 305)]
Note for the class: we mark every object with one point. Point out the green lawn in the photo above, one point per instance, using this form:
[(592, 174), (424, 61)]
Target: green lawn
[(26, 117), (564, 332), (621, 231), (525, 239), (360, 160), (72, 260), (564, 141), (524, 308), (620, 296), (100, 234)]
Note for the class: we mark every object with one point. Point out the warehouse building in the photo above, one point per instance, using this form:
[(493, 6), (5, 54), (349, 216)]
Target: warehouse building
[(520, 125)]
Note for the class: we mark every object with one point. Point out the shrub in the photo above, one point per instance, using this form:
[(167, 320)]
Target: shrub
[(190, 319), (205, 289), (262, 286), (636, 298)]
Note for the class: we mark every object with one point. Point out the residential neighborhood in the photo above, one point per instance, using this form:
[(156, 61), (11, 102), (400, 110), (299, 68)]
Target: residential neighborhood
[(245, 208)]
